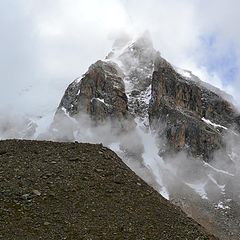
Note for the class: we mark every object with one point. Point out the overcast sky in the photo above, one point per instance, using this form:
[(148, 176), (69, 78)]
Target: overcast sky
[(45, 44)]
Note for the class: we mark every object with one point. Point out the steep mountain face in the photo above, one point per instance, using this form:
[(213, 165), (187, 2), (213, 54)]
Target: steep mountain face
[(100, 93), (185, 108), (138, 95), (136, 58), (117, 88), (186, 112)]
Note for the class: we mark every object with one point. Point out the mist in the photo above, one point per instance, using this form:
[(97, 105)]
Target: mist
[(172, 175), (13, 126)]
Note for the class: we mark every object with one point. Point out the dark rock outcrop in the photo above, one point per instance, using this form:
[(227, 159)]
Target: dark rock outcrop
[(193, 117), (100, 94)]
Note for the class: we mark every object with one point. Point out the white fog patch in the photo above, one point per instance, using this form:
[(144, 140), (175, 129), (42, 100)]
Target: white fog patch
[(163, 175), (221, 187), (199, 188), (115, 147), (43, 123), (151, 158), (18, 126)]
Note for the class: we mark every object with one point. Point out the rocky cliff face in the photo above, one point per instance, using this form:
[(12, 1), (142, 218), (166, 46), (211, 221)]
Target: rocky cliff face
[(117, 88), (186, 108), (188, 113), (136, 59), (100, 93)]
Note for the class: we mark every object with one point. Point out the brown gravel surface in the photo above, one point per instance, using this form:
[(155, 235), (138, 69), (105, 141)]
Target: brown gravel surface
[(81, 191)]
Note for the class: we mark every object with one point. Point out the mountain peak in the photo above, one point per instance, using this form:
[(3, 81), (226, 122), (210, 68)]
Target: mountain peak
[(134, 53), (142, 40)]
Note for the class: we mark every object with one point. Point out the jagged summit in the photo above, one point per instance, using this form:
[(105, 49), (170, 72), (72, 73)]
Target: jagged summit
[(141, 41), (121, 86), (131, 51), (136, 58)]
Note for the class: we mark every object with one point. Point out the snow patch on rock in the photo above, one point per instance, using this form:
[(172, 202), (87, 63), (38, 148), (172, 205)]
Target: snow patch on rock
[(213, 124)]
